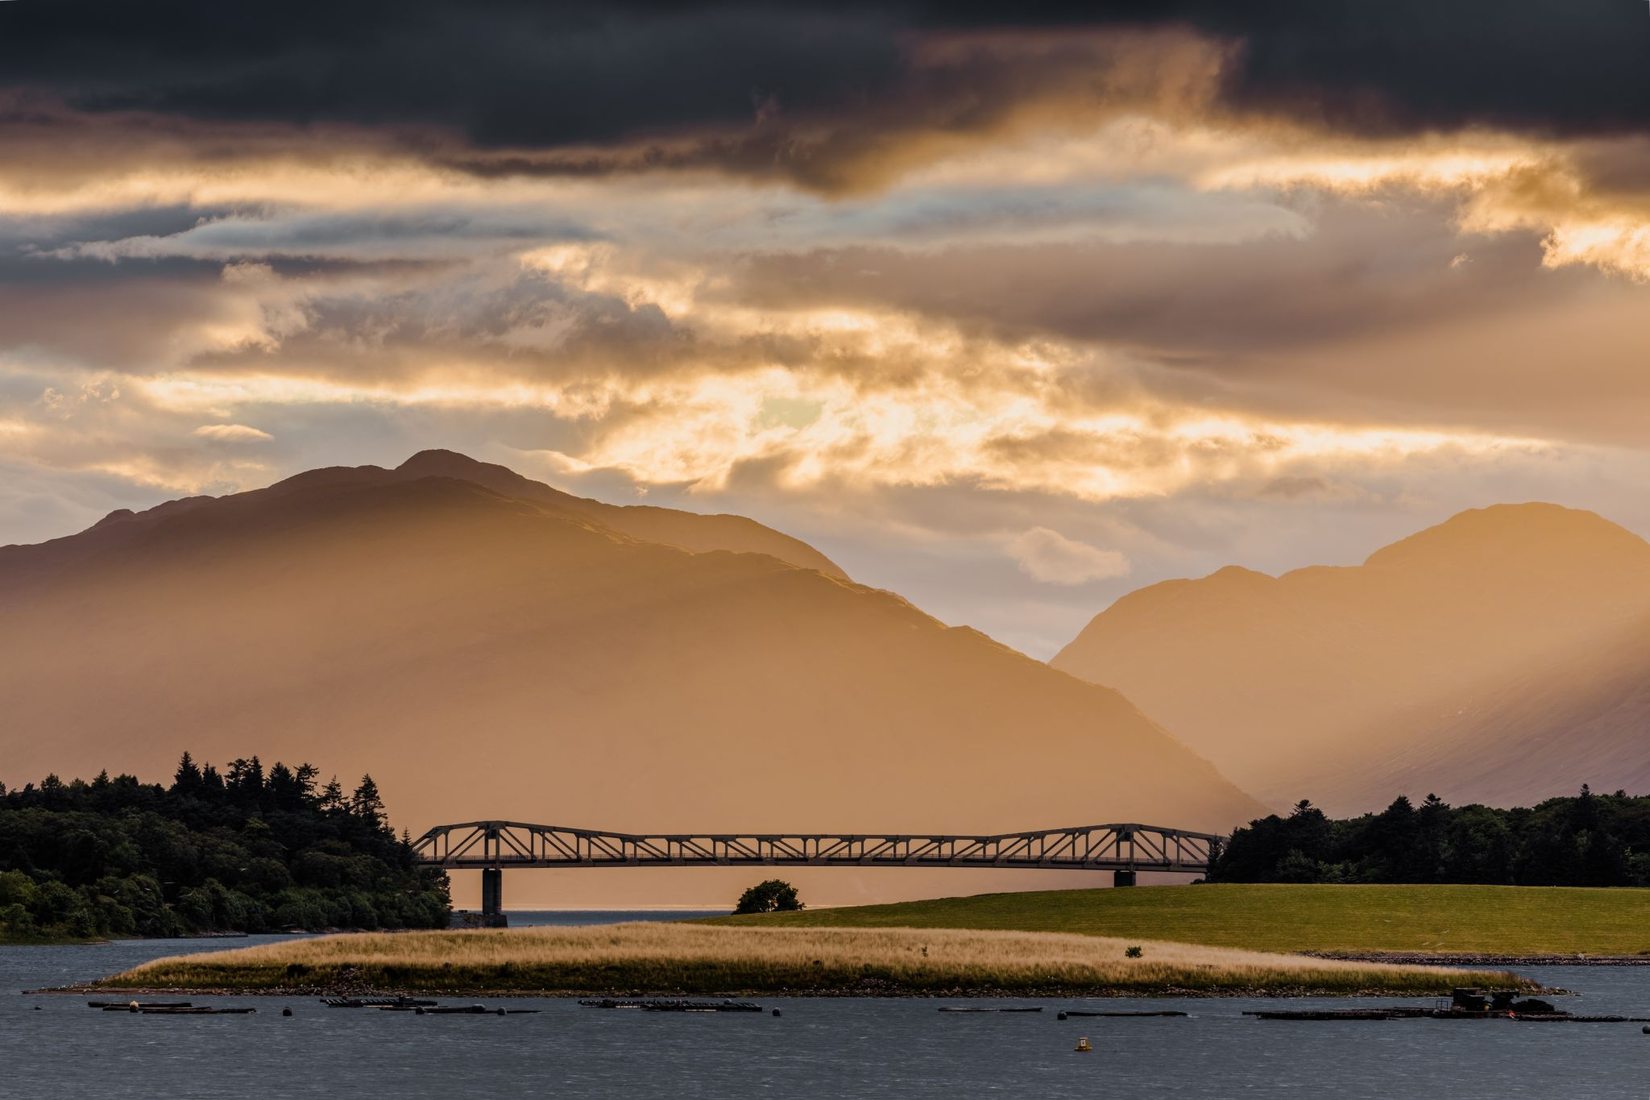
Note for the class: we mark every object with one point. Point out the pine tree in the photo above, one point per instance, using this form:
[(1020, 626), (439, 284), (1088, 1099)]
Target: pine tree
[(305, 775), (332, 796), (366, 803), (187, 780), (283, 787)]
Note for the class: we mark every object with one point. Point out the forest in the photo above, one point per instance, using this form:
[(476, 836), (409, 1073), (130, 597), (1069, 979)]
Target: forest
[(1585, 840), (243, 850)]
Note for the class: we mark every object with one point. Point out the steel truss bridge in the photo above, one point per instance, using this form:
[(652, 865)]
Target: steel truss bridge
[(1124, 849)]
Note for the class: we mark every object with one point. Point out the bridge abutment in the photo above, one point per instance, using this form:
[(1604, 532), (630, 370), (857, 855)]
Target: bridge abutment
[(1122, 878)]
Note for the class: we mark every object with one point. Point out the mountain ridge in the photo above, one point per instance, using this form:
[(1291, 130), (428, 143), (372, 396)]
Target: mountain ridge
[(1287, 681)]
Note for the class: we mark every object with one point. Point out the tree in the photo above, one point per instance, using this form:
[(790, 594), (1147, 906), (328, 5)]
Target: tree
[(285, 792), (332, 797), (118, 857), (366, 804), (188, 777), (305, 776), (246, 779), (772, 896)]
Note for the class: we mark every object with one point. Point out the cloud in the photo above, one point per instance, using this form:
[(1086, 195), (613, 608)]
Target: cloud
[(526, 75), (232, 433), (1050, 557)]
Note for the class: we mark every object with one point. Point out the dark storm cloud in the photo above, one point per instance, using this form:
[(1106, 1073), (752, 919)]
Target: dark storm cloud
[(514, 74), (1360, 271), (504, 73)]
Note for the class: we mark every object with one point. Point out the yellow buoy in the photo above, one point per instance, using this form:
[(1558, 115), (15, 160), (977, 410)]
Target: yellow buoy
[(1083, 1046)]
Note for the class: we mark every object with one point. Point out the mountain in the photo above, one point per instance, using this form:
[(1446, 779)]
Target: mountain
[(488, 647), (1319, 682), (1545, 730), (684, 530)]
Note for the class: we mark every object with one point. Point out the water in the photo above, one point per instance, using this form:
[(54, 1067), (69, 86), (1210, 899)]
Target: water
[(821, 1048)]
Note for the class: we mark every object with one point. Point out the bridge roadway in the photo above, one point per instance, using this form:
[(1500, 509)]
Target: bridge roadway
[(1124, 849)]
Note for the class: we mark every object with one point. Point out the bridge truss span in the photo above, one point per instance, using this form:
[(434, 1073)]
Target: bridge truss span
[(1117, 847)]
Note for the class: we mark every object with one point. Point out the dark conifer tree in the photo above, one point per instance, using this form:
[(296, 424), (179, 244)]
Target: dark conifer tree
[(187, 780), (366, 803)]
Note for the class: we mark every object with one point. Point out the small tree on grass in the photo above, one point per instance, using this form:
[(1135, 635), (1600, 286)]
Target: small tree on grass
[(772, 896)]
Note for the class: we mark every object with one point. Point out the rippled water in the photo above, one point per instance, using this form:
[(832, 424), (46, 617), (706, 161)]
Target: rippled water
[(52, 1045)]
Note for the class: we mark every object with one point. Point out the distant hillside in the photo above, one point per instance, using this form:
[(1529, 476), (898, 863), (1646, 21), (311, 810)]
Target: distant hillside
[(492, 649), (1326, 677)]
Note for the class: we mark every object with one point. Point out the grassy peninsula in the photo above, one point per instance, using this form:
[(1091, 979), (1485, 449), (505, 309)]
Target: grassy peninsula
[(699, 959), (1504, 921)]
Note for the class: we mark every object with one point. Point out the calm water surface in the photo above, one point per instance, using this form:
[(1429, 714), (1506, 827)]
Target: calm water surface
[(54, 1046)]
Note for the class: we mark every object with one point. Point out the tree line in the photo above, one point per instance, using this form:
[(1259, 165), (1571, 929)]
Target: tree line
[(1585, 840), (242, 850)]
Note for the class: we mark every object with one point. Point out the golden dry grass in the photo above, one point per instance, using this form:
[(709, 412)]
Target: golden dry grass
[(702, 959)]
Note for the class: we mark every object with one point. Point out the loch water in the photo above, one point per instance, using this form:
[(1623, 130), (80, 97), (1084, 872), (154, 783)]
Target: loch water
[(52, 1045)]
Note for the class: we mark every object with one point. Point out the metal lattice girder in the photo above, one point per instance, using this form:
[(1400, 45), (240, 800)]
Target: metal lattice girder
[(1122, 847)]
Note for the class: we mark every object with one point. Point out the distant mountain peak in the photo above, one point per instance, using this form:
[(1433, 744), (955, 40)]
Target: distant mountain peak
[(438, 462), (1237, 574), (1535, 529)]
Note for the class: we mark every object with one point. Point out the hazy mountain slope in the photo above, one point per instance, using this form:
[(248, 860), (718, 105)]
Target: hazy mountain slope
[(1284, 681), (486, 655), (1543, 731)]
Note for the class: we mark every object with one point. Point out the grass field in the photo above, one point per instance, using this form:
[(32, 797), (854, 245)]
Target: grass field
[(1497, 920), (699, 959)]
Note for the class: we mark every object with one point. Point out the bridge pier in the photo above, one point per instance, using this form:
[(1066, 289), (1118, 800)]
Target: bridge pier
[(1122, 878), (492, 897)]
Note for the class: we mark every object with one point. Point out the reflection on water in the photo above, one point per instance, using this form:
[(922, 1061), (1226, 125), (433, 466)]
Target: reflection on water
[(54, 1046)]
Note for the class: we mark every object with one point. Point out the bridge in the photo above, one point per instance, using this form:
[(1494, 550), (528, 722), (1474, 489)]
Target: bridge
[(1123, 849)]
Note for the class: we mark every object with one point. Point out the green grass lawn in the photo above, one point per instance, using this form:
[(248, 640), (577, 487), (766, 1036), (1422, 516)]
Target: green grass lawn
[(1503, 920)]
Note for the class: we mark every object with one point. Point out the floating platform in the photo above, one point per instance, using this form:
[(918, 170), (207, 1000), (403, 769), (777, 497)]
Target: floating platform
[(959, 1008), (188, 1010), (675, 1006), (1324, 1014), (377, 1002), (1075, 1012), (1436, 1014), (1569, 1018)]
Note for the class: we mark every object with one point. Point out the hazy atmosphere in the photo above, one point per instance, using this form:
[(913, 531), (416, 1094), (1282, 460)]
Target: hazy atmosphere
[(921, 549), (1011, 313)]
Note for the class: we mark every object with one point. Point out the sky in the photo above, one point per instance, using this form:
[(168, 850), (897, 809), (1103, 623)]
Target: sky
[(1008, 308)]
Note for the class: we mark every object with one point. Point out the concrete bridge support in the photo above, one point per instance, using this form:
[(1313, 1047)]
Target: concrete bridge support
[(492, 897)]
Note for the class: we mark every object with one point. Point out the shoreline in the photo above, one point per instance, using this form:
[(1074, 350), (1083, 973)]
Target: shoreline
[(1472, 959), (654, 958), (869, 991)]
